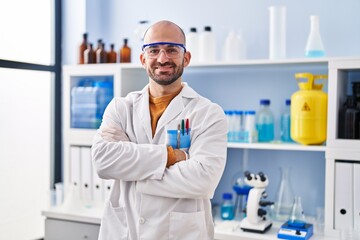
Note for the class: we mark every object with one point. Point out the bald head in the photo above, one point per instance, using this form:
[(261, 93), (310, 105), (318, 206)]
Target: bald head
[(164, 31)]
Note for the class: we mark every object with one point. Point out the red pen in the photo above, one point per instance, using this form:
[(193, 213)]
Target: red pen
[(187, 126)]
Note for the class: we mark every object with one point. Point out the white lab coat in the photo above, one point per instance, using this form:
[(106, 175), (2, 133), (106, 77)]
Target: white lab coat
[(148, 200)]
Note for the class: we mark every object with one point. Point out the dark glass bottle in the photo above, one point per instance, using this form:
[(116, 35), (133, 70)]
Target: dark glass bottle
[(82, 48), (125, 52), (89, 56), (101, 54), (352, 120), (112, 55), (342, 111)]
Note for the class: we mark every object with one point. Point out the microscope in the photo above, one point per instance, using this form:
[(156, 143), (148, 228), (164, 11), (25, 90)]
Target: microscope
[(255, 220)]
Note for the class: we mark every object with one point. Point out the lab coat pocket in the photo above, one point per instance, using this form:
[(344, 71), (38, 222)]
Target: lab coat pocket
[(179, 139), (185, 226), (114, 224)]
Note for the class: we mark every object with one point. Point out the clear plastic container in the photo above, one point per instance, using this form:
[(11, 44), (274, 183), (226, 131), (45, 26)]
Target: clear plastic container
[(227, 207), (265, 122), (285, 123)]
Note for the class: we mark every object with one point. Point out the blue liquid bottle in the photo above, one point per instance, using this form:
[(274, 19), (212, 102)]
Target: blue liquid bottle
[(227, 207), (285, 123), (265, 122)]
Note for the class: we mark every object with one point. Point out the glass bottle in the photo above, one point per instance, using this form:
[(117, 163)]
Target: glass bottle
[(297, 217), (112, 55), (82, 48), (314, 45), (285, 197), (89, 54), (125, 52), (227, 207), (99, 43), (285, 123), (101, 54), (265, 122), (352, 120)]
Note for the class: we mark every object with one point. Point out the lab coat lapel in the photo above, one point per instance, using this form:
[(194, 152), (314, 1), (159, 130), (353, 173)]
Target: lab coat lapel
[(141, 107)]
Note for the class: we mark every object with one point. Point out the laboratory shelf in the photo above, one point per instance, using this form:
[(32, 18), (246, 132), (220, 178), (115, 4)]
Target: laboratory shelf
[(278, 146)]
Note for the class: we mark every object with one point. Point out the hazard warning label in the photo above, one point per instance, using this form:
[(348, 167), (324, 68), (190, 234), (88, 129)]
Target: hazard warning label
[(305, 107)]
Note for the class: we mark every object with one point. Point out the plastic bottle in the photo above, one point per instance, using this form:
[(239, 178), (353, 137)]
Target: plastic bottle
[(101, 54), (265, 122), (231, 47), (82, 48), (285, 123), (193, 44), (249, 134), (207, 50), (112, 55), (238, 126), (314, 45), (242, 48), (89, 54), (125, 52), (227, 207)]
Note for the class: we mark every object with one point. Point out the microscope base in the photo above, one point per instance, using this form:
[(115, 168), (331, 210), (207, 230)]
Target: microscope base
[(260, 227)]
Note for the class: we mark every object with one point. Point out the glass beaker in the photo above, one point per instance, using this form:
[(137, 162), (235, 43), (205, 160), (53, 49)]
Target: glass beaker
[(285, 197), (297, 217)]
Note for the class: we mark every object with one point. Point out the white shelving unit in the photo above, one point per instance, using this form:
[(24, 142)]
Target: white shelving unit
[(129, 77)]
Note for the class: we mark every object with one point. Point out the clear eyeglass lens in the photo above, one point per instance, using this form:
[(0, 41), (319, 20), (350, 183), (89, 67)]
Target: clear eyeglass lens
[(170, 51)]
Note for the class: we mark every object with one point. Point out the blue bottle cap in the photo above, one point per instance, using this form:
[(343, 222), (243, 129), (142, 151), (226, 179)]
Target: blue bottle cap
[(288, 102), (227, 196), (264, 102), (251, 112)]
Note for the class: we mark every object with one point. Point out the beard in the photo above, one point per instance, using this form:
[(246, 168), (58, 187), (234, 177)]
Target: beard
[(165, 78)]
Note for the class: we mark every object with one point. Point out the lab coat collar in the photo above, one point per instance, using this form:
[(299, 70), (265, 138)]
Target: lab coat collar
[(175, 107)]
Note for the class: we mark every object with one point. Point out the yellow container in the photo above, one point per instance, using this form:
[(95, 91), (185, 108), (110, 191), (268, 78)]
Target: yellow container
[(309, 110)]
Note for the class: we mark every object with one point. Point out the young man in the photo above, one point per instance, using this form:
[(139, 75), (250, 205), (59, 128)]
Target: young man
[(165, 147)]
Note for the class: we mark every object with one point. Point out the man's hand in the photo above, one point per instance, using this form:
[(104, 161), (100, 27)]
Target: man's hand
[(180, 155), (112, 133)]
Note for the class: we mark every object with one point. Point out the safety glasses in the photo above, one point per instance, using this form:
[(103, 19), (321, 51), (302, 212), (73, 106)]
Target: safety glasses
[(171, 50)]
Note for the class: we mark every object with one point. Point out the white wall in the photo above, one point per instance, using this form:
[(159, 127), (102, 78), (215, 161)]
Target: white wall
[(115, 19)]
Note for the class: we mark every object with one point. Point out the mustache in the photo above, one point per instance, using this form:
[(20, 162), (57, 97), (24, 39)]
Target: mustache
[(164, 64)]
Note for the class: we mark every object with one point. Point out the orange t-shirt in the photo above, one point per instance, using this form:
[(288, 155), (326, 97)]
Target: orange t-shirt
[(157, 108)]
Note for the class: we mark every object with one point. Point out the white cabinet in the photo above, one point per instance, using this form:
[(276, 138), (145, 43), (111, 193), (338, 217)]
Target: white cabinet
[(342, 155), (233, 85)]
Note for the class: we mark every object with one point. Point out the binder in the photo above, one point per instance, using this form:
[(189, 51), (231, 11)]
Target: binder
[(86, 176), (75, 167), (357, 196), (97, 188), (344, 185)]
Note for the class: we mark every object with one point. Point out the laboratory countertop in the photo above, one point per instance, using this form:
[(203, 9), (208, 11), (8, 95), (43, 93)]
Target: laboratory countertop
[(85, 215), (224, 230)]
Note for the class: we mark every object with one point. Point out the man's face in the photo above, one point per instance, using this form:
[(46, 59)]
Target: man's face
[(164, 62), (164, 56)]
